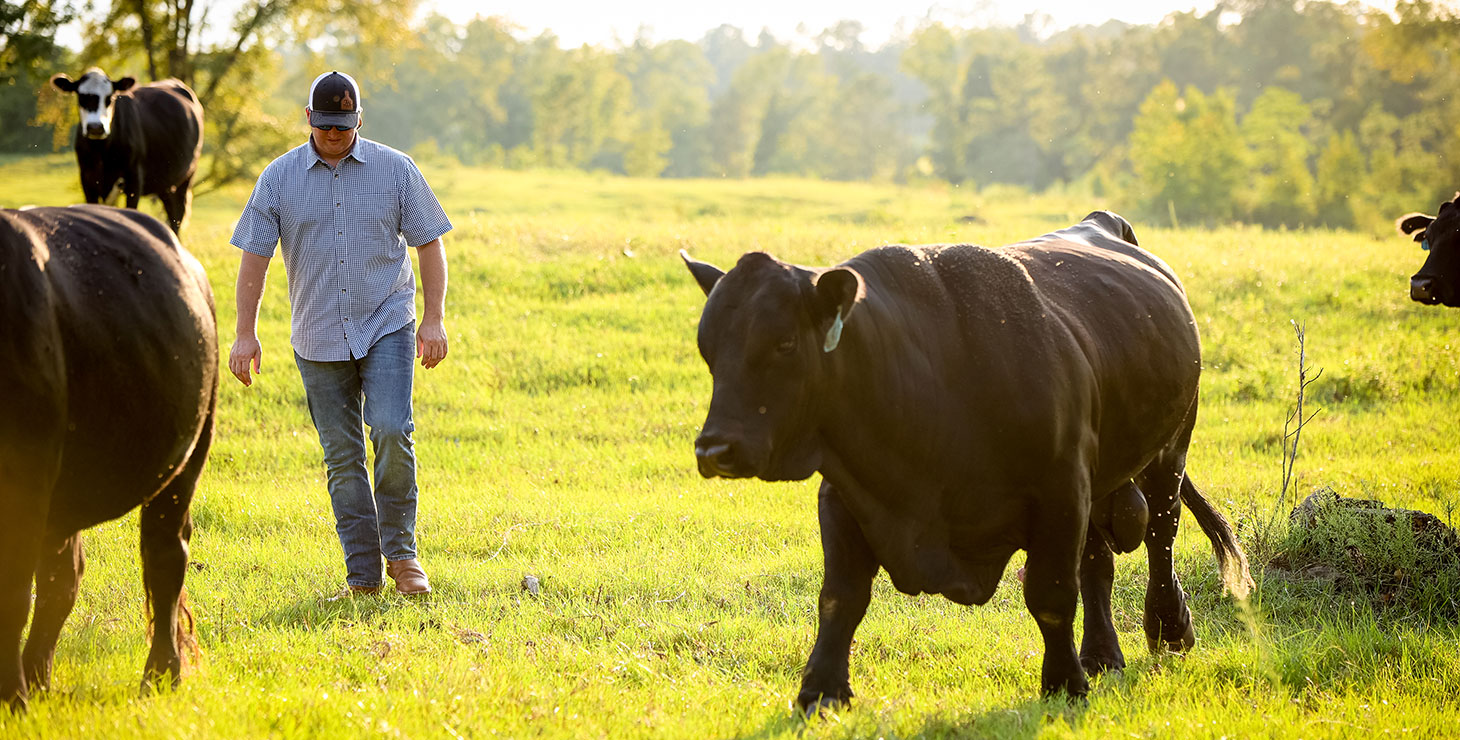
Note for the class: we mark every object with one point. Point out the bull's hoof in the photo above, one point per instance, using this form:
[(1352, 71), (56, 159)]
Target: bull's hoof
[(821, 705), (1072, 690), (1180, 645), (1095, 665), (153, 683)]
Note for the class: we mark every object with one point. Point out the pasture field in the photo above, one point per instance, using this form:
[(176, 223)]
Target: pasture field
[(556, 441)]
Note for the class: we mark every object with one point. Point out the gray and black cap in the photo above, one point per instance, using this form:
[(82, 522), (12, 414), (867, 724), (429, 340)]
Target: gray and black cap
[(334, 100)]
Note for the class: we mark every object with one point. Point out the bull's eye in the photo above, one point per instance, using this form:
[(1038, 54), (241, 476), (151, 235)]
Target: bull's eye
[(787, 345)]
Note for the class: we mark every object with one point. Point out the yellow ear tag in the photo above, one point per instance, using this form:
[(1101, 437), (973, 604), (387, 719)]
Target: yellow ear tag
[(834, 334)]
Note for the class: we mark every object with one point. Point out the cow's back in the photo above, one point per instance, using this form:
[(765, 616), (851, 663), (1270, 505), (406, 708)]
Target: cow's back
[(133, 316)]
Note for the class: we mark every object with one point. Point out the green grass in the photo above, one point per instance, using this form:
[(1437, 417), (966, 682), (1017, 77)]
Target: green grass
[(556, 441)]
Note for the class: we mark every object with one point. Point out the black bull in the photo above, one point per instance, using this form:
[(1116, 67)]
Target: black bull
[(962, 403), (109, 382)]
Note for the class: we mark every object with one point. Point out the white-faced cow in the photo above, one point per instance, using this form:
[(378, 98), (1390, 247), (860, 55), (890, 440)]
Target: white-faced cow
[(147, 139), (1438, 280), (962, 403), (109, 382)]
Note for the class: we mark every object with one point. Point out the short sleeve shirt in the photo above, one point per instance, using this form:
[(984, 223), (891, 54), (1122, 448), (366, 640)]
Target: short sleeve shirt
[(344, 232)]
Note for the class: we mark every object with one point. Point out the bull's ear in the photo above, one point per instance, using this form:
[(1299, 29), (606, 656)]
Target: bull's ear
[(1414, 222), (124, 84), (837, 292), (63, 83), (705, 273)]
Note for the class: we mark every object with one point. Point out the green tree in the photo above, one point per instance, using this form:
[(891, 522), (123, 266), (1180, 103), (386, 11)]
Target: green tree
[(1280, 190), (1187, 154), (1341, 177), (28, 55)]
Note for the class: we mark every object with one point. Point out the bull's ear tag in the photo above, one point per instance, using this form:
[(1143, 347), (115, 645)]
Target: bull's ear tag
[(1424, 244), (834, 334)]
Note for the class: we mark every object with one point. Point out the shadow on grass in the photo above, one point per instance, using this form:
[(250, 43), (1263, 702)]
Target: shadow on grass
[(1026, 719), (315, 611)]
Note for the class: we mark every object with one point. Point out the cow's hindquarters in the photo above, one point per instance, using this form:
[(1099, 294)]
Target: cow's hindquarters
[(32, 431)]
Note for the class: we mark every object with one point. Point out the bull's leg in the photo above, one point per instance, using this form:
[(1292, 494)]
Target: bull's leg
[(167, 528), (1052, 591), (846, 590), (1167, 620), (57, 581), (1100, 647)]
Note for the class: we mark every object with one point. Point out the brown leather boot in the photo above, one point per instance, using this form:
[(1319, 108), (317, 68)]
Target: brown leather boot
[(409, 579)]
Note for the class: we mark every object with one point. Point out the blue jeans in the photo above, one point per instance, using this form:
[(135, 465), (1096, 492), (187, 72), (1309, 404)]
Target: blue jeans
[(382, 522)]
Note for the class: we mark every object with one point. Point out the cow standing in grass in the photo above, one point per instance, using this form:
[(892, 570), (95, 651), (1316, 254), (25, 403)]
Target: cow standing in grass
[(148, 139), (107, 393), (1438, 280), (963, 403)]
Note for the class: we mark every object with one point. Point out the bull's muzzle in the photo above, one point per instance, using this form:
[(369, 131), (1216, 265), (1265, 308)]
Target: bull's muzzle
[(1422, 290), (719, 458), (95, 131)]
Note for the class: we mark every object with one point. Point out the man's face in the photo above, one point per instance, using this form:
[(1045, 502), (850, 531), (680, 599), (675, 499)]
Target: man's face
[(332, 143)]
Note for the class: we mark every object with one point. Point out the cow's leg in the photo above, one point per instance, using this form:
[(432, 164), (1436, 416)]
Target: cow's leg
[(1052, 588), (57, 581), (1167, 620), (846, 590), (176, 203), (25, 503), (167, 528), (1100, 647), (132, 188)]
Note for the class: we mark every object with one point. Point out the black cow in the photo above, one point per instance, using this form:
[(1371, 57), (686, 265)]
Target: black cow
[(962, 403), (1438, 280), (110, 379), (148, 138)]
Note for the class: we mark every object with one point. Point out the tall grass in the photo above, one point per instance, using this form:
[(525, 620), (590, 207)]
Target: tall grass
[(555, 441)]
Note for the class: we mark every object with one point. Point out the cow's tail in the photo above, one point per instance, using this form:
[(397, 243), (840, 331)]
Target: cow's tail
[(1231, 561)]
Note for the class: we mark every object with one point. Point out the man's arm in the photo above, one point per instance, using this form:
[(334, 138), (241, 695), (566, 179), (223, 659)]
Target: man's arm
[(252, 270), (431, 334)]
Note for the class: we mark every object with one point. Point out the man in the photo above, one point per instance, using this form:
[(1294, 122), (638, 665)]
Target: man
[(344, 208)]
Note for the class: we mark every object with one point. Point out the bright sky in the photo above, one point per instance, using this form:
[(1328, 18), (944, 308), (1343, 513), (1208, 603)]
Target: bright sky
[(601, 21)]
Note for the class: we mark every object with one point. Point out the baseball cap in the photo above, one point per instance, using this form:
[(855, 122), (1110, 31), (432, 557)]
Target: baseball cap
[(334, 100)]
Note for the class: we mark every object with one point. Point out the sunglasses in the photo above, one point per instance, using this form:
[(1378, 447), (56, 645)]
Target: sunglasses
[(336, 128)]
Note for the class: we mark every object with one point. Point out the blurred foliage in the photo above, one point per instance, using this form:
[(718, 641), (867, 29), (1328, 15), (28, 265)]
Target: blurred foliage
[(1276, 112)]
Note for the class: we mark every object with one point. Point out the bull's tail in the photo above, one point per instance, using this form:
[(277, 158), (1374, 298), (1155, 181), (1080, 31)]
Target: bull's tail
[(1231, 561)]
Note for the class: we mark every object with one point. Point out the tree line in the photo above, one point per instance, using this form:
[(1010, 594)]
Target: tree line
[(1279, 112)]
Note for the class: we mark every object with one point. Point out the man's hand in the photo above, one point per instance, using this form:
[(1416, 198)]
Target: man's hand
[(247, 350), (431, 343)]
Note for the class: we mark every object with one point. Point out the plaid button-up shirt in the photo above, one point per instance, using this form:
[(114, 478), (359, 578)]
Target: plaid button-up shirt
[(345, 233)]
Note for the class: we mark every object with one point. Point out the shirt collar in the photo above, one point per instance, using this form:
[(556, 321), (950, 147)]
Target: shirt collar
[(311, 156)]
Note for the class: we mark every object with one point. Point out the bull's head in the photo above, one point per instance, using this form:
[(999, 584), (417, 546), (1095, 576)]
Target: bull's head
[(96, 95), (1438, 281), (767, 334)]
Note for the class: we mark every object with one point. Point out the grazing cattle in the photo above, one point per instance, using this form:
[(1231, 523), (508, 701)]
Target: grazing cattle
[(110, 377), (148, 138), (1438, 280), (962, 403)]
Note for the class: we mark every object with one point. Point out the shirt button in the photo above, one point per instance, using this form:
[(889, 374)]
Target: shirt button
[(340, 233), (342, 290), (337, 205), (337, 175)]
